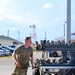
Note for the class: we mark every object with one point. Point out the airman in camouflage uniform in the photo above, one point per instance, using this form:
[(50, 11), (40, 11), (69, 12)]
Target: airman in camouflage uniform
[(22, 56)]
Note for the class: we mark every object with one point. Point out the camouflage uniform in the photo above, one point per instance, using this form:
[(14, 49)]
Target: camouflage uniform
[(23, 56)]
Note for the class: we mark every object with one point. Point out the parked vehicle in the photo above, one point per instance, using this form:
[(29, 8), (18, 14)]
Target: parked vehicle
[(6, 52), (8, 48), (13, 46), (2, 53)]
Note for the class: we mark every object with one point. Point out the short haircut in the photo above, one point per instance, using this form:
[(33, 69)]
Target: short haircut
[(27, 38)]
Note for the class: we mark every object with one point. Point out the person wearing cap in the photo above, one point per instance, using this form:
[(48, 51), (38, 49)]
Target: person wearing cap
[(22, 55)]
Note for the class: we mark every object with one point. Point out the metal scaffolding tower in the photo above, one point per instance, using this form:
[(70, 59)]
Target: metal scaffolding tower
[(33, 33)]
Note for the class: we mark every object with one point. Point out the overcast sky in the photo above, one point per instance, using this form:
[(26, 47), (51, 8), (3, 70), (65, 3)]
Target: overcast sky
[(49, 17)]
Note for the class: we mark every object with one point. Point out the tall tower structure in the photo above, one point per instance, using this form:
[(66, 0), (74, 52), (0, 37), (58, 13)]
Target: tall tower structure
[(33, 34), (45, 35), (8, 33)]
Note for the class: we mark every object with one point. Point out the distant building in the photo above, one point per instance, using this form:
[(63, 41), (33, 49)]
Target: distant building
[(5, 40), (63, 38)]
